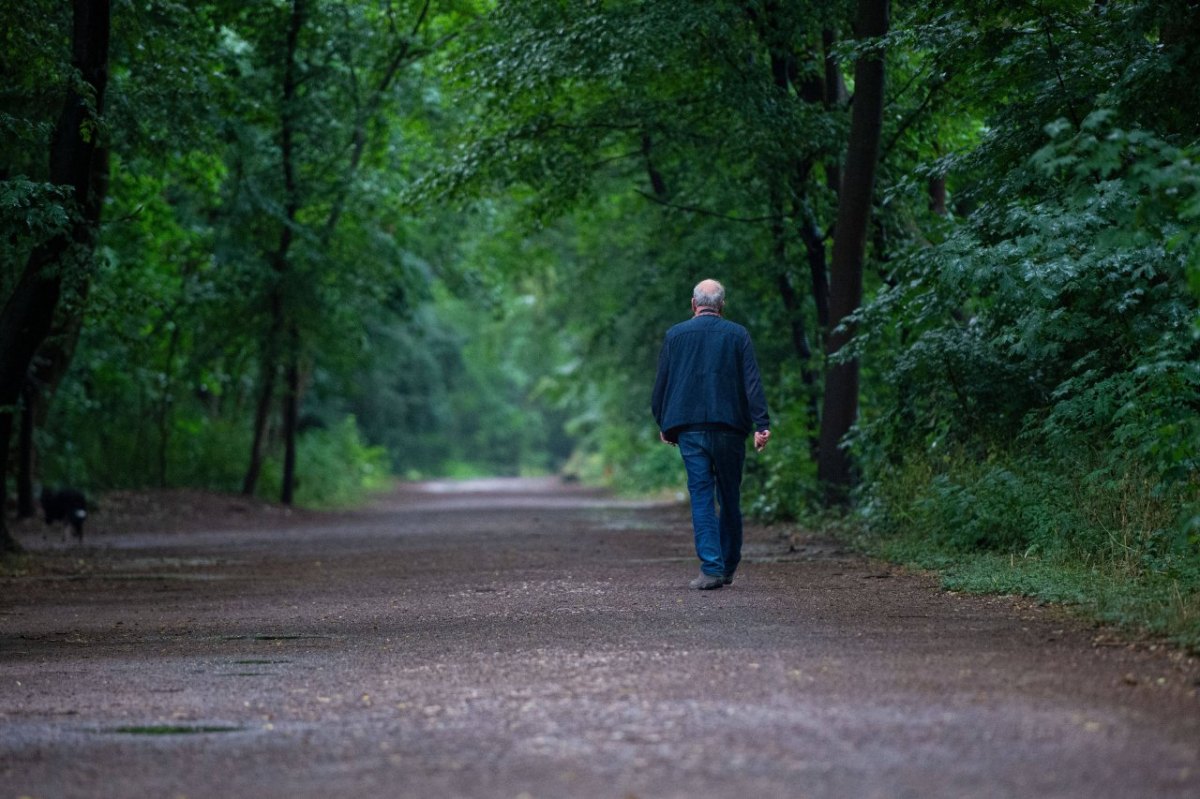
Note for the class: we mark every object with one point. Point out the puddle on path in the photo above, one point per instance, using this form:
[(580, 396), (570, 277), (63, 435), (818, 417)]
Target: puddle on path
[(170, 729), (130, 577), (275, 637), (242, 674), (173, 562), (202, 578)]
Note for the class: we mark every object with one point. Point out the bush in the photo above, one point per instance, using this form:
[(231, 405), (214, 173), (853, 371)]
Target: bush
[(333, 467), (1037, 429), (781, 482), (1093, 530), (1086, 508)]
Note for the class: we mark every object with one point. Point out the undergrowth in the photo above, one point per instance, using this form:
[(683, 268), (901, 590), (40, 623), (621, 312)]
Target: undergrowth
[(335, 467), (1113, 544)]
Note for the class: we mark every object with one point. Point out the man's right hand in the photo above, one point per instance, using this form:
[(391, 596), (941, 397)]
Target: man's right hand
[(761, 438), (663, 438)]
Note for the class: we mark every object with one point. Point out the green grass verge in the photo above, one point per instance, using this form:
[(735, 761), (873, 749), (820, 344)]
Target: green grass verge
[(1140, 604)]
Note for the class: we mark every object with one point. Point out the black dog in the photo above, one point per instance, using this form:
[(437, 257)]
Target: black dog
[(65, 505)]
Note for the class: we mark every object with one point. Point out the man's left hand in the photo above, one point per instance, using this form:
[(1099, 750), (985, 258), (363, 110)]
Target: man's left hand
[(761, 438), (663, 438)]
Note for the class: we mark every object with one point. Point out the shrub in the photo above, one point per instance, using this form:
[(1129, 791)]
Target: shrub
[(334, 467)]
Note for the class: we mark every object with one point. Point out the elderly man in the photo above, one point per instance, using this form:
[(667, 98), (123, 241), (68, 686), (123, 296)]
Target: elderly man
[(707, 398)]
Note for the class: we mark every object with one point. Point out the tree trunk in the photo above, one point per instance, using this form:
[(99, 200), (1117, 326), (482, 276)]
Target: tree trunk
[(795, 312), (787, 292), (840, 406), (783, 73), (800, 345), (46, 372), (358, 145), (812, 89), (937, 195), (164, 407), (814, 248), (657, 183), (835, 97), (262, 413), (25, 507), (808, 375), (29, 312), (291, 412), (7, 542), (279, 263)]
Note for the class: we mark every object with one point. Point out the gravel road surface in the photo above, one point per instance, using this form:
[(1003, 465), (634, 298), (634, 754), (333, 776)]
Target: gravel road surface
[(524, 639)]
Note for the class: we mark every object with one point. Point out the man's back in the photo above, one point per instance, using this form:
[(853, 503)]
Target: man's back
[(708, 376)]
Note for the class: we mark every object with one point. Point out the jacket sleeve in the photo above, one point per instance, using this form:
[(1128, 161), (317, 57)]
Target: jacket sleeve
[(658, 399), (753, 386)]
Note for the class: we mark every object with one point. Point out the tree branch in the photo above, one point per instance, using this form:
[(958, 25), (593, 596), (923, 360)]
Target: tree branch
[(911, 118), (692, 209)]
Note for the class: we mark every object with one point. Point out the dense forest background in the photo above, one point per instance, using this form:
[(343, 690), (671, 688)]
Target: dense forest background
[(293, 248)]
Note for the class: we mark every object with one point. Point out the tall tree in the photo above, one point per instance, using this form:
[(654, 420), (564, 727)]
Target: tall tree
[(77, 161), (840, 406), (280, 266), (333, 85)]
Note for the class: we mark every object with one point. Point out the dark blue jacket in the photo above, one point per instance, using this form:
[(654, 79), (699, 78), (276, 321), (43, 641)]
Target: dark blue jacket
[(707, 376)]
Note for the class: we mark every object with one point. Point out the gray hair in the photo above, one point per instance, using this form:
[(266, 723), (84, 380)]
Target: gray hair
[(709, 294)]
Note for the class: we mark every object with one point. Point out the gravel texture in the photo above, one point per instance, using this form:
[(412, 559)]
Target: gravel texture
[(520, 638)]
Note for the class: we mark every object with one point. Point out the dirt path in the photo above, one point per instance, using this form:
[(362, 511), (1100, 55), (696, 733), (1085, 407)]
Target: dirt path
[(525, 640)]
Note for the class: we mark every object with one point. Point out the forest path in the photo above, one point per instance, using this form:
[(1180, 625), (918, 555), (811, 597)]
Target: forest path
[(525, 639)]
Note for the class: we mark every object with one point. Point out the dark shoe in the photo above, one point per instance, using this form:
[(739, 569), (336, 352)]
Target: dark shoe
[(707, 582), (728, 579)]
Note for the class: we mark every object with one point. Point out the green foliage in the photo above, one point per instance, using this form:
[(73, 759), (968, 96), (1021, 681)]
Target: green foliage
[(1035, 426), (1083, 530), (166, 369), (336, 468), (781, 482), (1079, 336), (32, 210), (1078, 507), (454, 389)]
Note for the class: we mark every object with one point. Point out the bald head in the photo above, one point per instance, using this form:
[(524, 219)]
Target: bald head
[(708, 294)]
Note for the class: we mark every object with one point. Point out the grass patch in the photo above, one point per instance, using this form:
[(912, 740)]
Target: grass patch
[(1144, 603), (1091, 532), (15, 564)]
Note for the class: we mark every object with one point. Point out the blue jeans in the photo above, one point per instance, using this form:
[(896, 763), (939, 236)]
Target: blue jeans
[(714, 460)]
